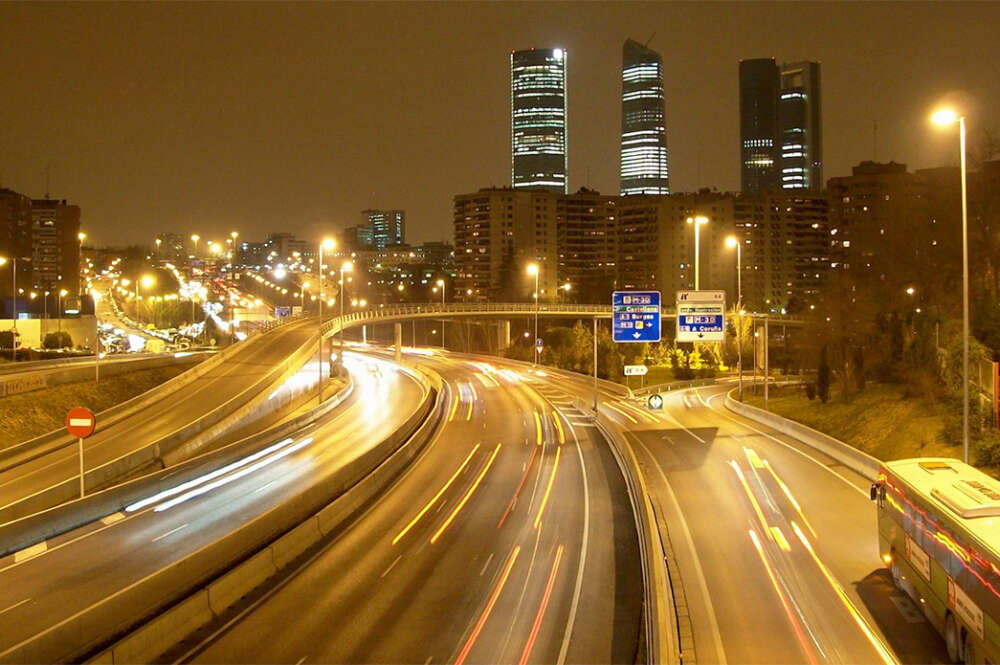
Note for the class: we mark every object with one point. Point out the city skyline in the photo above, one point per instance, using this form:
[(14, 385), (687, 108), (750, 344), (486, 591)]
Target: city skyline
[(178, 115)]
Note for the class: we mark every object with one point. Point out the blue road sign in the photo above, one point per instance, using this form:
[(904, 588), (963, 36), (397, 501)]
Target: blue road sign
[(635, 316)]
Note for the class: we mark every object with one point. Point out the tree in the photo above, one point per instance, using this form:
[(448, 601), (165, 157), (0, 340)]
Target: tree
[(57, 340), (6, 339), (823, 377)]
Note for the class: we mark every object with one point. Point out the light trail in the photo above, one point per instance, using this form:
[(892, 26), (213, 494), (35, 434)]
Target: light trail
[(529, 645), (468, 495), (753, 499), (796, 625), (436, 496), (489, 607), (883, 651), (548, 489), (559, 428), (791, 499), (520, 486), (538, 428), (615, 408)]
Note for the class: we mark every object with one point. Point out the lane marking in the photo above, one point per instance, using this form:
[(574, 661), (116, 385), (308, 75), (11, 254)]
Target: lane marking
[(486, 565), (436, 496), (571, 619), (468, 495), (615, 408), (15, 606), (391, 566), (112, 518), (301, 660), (489, 607), (689, 543), (541, 608), (169, 532), (28, 552)]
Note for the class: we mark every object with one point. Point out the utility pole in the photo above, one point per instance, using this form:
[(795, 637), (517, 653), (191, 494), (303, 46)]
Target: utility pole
[(767, 365), (595, 366)]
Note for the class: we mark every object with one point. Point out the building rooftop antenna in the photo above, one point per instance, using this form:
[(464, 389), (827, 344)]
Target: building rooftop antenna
[(646, 45)]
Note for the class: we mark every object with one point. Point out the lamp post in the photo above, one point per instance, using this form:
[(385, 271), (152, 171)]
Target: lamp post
[(13, 297), (232, 252), (440, 284), (533, 270), (62, 294), (327, 244), (195, 238), (345, 267), (81, 236), (731, 242), (302, 292), (95, 294), (947, 117), (697, 222)]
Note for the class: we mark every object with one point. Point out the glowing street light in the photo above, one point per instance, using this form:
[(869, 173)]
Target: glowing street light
[(81, 236), (947, 117), (697, 222), (731, 242), (440, 284), (195, 238), (13, 297), (533, 271), (345, 267)]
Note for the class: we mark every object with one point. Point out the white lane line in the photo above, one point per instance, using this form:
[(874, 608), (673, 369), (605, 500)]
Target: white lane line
[(486, 565), (391, 566), (789, 446), (689, 544), (112, 518), (429, 659), (169, 532), (301, 660), (28, 552), (571, 620), (15, 606), (264, 486)]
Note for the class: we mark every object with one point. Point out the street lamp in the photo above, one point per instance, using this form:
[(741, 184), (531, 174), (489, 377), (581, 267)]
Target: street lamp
[(345, 267), (731, 242), (302, 292), (533, 271), (948, 117), (81, 236), (195, 238), (440, 284), (62, 294), (13, 297), (328, 245), (697, 222), (95, 294)]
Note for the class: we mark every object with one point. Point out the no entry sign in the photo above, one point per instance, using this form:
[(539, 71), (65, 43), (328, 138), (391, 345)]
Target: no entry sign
[(80, 422)]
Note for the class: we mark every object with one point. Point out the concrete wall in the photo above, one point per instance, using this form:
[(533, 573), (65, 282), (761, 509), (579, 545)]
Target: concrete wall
[(32, 331)]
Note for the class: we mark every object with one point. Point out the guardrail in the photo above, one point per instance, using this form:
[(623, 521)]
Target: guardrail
[(673, 385), (860, 462), (152, 614)]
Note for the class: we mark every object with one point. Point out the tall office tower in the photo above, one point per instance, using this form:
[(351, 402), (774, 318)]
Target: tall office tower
[(538, 138), (55, 248), (759, 85), (388, 227), (800, 135), (644, 134)]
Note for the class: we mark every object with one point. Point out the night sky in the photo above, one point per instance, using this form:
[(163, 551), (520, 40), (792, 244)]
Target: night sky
[(267, 117)]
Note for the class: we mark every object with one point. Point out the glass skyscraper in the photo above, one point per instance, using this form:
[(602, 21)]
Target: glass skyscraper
[(538, 139), (759, 83), (801, 139), (644, 136)]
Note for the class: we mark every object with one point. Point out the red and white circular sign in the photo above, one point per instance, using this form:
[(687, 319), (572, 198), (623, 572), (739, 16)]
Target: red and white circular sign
[(80, 422)]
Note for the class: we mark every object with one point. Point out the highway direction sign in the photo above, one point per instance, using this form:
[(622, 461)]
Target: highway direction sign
[(701, 316), (635, 316), (636, 370), (80, 422)]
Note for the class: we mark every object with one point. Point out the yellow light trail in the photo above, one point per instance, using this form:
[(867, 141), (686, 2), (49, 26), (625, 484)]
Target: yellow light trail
[(559, 428), (615, 408), (538, 429), (529, 645), (436, 496), (753, 499), (468, 414), (876, 642), (791, 499), (548, 488), (468, 495), (454, 404)]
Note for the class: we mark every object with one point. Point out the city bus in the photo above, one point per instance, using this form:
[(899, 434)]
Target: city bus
[(939, 533)]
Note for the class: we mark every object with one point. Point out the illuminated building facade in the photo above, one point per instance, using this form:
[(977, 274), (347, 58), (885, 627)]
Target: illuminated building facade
[(388, 227), (538, 138), (759, 84), (800, 135), (644, 136)]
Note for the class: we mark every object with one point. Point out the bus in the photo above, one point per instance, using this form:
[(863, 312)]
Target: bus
[(939, 533)]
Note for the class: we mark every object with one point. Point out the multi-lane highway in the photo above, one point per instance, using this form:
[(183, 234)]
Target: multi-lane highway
[(175, 410), (45, 586), (510, 539)]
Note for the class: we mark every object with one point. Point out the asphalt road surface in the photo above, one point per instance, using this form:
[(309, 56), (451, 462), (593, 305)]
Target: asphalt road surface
[(509, 540), (79, 569)]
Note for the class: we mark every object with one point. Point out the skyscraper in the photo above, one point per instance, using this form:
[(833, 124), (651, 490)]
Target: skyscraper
[(800, 134), (759, 84), (538, 139), (388, 227), (644, 136)]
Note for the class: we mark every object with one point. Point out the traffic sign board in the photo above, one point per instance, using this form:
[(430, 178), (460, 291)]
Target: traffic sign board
[(701, 316), (80, 422), (636, 370), (539, 343), (655, 402), (635, 316)]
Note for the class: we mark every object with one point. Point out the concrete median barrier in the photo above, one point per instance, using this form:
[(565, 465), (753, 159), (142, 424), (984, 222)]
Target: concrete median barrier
[(854, 459), (119, 619), (230, 588)]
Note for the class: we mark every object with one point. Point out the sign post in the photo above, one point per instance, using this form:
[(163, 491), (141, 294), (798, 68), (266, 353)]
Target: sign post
[(701, 316), (635, 316), (80, 422)]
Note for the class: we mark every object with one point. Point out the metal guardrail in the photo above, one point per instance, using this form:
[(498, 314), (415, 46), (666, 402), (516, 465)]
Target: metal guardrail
[(673, 385)]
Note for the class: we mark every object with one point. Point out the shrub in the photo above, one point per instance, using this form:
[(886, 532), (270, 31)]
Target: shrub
[(811, 391), (6, 339), (57, 340), (823, 377)]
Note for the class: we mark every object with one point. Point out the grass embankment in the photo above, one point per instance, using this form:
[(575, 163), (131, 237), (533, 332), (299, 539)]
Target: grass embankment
[(880, 420), (32, 414)]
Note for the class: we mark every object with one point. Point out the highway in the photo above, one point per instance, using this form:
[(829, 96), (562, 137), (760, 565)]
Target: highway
[(510, 539), (169, 414), (81, 568), (775, 542)]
